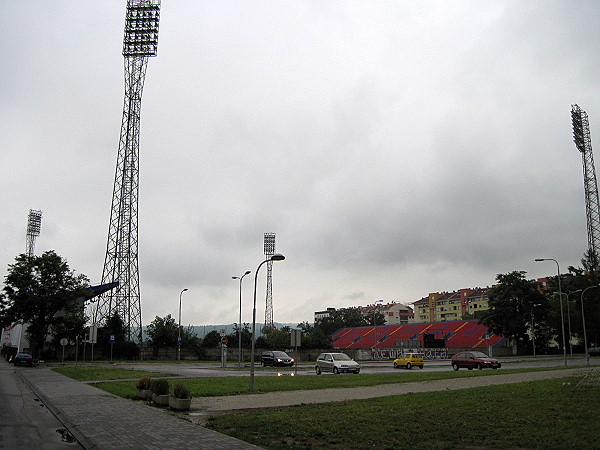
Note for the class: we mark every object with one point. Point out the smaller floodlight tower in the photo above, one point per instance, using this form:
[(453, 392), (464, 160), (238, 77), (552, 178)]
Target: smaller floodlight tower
[(583, 142), (34, 226), (269, 251)]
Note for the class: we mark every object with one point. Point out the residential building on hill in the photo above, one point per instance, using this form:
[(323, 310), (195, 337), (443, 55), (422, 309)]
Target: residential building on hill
[(394, 313)]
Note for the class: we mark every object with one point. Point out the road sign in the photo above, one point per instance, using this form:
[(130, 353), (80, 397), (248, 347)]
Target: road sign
[(111, 340), (64, 341), (224, 341)]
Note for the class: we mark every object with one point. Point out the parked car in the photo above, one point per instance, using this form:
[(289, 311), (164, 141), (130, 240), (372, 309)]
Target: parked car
[(336, 363), (594, 351), (408, 360), (23, 359), (276, 359), (474, 360)]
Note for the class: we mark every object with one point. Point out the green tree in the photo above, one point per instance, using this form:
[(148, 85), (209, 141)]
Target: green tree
[(162, 332), (313, 337), (246, 336), (122, 348), (573, 284), (211, 339), (342, 318), (41, 291), (511, 302), (278, 339)]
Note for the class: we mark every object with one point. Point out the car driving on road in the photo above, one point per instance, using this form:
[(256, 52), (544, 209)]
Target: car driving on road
[(408, 360), (474, 360), (276, 359), (336, 363)]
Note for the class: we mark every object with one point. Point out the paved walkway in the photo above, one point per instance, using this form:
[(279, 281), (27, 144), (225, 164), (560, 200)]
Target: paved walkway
[(99, 420)]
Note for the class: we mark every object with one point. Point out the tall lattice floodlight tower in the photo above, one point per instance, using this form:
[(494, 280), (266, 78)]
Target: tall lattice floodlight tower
[(581, 137), (269, 251), (34, 226), (121, 261)]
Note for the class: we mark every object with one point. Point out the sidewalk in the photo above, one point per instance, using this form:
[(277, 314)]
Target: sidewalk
[(99, 420)]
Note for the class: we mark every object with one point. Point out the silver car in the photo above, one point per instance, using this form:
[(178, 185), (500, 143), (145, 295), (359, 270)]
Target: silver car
[(336, 363)]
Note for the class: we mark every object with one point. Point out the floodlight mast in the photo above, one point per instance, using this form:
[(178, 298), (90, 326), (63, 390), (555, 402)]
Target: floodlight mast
[(34, 226), (121, 262), (583, 142), (269, 242)]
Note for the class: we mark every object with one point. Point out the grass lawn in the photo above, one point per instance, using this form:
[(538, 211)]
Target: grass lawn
[(218, 386), (93, 373), (542, 414)]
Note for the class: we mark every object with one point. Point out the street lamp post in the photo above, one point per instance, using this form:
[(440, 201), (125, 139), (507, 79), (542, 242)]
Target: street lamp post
[(179, 327), (240, 320), (562, 317), (275, 257), (587, 356), (374, 325), (533, 326)]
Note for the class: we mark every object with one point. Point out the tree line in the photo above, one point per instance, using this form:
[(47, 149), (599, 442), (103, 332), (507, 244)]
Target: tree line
[(44, 292)]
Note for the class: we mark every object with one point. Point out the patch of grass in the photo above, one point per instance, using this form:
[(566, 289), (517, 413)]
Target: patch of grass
[(93, 373), (539, 414), (219, 386)]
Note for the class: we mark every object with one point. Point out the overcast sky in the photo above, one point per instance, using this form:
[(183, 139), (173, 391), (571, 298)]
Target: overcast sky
[(396, 148)]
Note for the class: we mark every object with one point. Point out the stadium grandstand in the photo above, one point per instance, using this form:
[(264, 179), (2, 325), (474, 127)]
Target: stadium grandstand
[(450, 335)]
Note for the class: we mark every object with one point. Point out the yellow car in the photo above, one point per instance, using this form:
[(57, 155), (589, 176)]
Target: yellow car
[(408, 360)]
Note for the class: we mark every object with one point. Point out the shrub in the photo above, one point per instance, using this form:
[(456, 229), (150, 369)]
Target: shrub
[(181, 391), (159, 387), (143, 383)]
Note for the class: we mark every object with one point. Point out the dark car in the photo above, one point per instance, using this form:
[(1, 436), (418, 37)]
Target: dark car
[(474, 360), (23, 359), (594, 351), (276, 359)]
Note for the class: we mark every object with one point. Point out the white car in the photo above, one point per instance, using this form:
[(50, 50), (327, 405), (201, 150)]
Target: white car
[(336, 363)]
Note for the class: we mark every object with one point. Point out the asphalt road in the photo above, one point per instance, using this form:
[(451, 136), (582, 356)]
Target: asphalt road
[(198, 369), (25, 422)]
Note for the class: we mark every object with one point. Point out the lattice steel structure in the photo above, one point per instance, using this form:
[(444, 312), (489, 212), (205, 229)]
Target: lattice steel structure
[(269, 251), (581, 137), (121, 261), (34, 226)]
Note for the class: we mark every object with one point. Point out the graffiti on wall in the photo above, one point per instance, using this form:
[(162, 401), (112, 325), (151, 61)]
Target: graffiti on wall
[(393, 353)]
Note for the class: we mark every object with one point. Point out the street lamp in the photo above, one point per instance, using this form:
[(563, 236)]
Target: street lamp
[(533, 327), (275, 257), (587, 356), (562, 317), (240, 321), (179, 328), (374, 326)]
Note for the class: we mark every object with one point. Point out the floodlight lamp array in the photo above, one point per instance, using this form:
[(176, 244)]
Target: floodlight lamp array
[(34, 224), (580, 128), (269, 244), (141, 28)]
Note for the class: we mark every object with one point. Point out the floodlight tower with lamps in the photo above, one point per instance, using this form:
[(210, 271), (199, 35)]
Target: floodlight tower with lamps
[(121, 261), (275, 257), (562, 317), (240, 320), (34, 226), (583, 142), (179, 327), (269, 251)]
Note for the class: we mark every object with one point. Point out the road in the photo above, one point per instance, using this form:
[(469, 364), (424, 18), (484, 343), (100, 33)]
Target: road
[(198, 369), (25, 422)]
